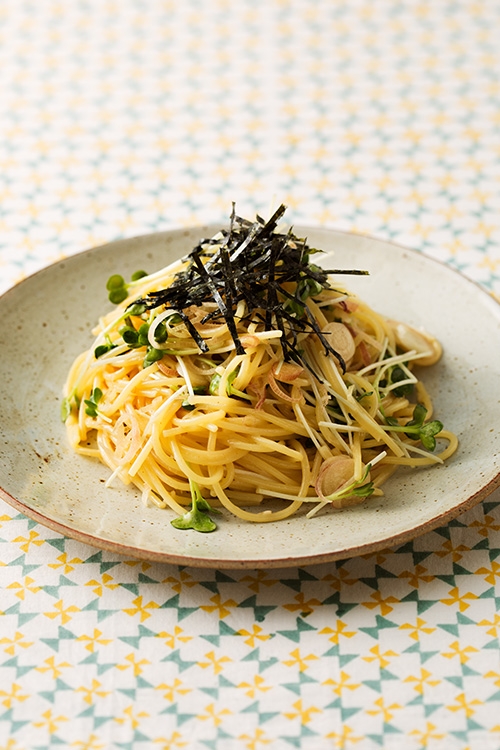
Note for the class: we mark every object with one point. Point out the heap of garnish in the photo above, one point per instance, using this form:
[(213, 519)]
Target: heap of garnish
[(250, 261)]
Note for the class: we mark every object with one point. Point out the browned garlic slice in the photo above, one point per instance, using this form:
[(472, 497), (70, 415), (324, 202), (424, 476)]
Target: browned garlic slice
[(335, 473), (423, 343), (340, 338)]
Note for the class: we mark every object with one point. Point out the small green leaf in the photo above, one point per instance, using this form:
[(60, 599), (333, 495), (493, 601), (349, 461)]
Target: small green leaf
[(419, 414), (161, 333), (142, 335), (428, 432), (428, 441), (213, 388), (416, 429), (294, 307), (194, 519), (363, 395), (397, 375), (129, 335), (364, 491), (416, 423), (91, 403), (432, 428), (138, 275), (174, 319), (65, 409), (115, 282), (137, 308), (309, 287), (99, 351), (118, 295), (204, 505), (91, 408), (153, 355), (198, 390)]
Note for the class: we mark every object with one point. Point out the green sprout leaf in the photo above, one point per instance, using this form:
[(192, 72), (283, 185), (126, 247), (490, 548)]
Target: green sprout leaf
[(419, 414), (198, 390), (68, 404), (99, 351), (118, 295), (365, 490), (115, 282), (360, 396), (118, 288), (129, 335), (137, 338), (91, 403), (197, 517), (396, 376), (152, 355), (136, 308), (309, 287), (213, 387), (138, 275), (161, 333), (142, 335), (231, 390), (357, 488), (194, 519), (416, 429), (428, 433), (65, 409)]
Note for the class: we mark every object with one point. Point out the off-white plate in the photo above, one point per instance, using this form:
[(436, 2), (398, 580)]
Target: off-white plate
[(46, 321)]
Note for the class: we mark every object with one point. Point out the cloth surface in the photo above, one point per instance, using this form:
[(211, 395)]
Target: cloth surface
[(124, 117)]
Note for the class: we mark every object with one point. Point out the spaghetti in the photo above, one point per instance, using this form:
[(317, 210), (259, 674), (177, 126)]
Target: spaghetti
[(244, 373)]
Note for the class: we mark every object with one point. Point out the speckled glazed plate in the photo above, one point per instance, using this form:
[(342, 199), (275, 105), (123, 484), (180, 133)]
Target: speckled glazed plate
[(46, 322)]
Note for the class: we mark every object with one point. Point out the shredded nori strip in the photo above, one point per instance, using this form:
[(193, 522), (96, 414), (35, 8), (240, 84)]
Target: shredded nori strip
[(252, 262)]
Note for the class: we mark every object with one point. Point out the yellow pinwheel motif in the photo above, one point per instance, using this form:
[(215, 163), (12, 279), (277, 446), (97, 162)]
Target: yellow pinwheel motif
[(254, 636), (25, 587), (141, 608), (301, 712), (93, 693), (256, 687), (96, 639), (175, 638), (126, 118), (9, 698)]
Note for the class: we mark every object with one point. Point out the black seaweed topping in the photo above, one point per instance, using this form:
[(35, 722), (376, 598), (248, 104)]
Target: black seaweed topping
[(251, 262)]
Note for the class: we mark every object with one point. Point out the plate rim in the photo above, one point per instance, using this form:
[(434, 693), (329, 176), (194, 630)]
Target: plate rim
[(212, 562), (138, 553)]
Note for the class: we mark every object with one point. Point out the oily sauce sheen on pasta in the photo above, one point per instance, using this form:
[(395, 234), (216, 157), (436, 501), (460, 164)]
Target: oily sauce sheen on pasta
[(245, 372)]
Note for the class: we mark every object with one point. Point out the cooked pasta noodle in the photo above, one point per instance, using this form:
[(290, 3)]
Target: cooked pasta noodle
[(305, 395)]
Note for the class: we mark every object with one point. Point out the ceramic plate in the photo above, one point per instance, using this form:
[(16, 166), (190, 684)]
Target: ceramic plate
[(46, 322)]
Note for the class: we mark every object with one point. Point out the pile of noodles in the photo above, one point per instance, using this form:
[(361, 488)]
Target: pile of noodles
[(242, 418)]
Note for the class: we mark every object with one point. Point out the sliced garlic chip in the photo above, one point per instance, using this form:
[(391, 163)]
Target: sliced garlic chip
[(340, 338), (420, 341), (335, 473)]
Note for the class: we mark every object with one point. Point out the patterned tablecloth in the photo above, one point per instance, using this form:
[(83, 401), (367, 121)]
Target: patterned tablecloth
[(123, 117)]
